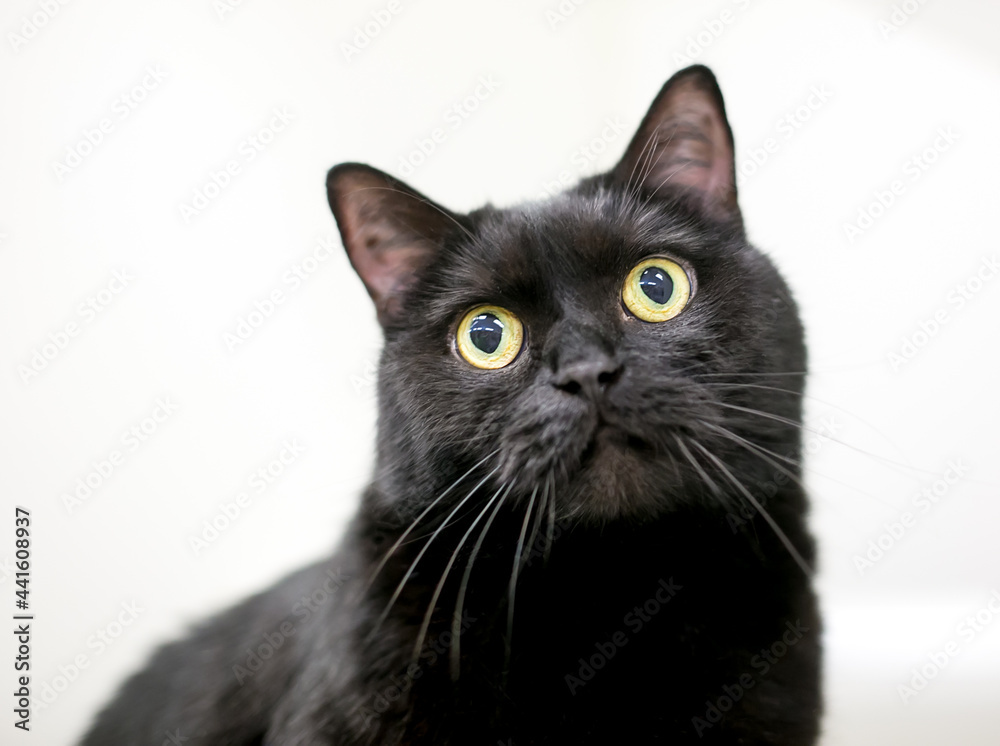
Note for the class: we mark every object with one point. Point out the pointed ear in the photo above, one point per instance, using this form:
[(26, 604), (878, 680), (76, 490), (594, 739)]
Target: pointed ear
[(390, 231), (685, 141)]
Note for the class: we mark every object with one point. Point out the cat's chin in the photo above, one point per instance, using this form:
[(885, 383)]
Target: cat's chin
[(611, 444), (619, 477)]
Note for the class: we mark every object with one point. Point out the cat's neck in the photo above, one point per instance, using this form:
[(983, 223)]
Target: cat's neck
[(590, 572)]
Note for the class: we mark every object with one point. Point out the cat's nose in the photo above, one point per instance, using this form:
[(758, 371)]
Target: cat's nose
[(589, 377)]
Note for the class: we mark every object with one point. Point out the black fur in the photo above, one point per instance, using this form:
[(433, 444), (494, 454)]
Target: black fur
[(654, 603)]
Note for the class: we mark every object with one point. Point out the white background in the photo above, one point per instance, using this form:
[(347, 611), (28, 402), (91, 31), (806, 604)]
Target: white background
[(305, 373)]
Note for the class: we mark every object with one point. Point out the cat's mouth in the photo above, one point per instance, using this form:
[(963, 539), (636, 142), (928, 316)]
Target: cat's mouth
[(608, 438), (614, 477), (599, 463)]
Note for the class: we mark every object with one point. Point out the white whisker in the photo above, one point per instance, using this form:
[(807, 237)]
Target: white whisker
[(422, 634), (456, 621), (760, 508), (423, 550)]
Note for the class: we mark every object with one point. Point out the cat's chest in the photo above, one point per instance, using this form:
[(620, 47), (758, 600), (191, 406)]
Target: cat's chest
[(591, 656)]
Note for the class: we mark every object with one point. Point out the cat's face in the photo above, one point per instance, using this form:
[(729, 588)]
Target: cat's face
[(588, 346)]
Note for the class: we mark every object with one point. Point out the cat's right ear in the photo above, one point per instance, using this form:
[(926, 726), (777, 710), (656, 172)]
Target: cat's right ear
[(389, 231)]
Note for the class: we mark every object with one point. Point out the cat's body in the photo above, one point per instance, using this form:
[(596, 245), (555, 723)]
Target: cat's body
[(601, 479)]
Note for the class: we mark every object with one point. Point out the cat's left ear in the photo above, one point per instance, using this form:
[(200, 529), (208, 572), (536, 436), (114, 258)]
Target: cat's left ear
[(389, 230), (685, 142)]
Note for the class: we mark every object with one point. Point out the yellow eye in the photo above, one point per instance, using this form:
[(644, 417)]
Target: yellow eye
[(656, 289), (490, 337)]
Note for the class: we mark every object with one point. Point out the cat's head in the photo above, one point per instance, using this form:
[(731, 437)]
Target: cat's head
[(603, 346)]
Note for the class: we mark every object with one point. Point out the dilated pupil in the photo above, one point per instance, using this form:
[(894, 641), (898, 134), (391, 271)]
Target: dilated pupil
[(486, 331), (656, 284)]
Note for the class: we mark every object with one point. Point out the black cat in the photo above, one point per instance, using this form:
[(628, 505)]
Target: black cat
[(585, 525)]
